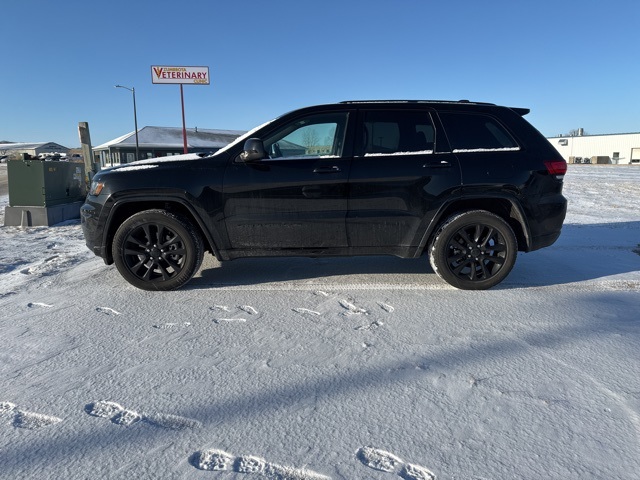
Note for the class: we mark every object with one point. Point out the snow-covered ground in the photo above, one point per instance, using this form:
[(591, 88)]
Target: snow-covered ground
[(357, 368)]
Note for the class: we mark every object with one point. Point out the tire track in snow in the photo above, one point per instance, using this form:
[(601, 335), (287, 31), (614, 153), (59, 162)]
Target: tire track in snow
[(343, 287)]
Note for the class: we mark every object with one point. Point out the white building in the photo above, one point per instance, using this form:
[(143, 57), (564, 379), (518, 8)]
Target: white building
[(160, 142), (33, 149), (618, 148)]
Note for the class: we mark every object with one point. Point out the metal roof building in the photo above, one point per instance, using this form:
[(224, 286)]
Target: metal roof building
[(33, 149), (617, 149), (162, 141)]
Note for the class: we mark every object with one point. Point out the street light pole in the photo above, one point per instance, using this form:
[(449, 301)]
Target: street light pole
[(135, 116)]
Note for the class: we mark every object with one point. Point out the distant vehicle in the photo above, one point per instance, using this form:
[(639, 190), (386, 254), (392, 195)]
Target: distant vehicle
[(49, 156), (468, 184)]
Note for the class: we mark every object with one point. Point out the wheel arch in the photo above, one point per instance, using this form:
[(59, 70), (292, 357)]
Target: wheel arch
[(124, 208), (506, 208)]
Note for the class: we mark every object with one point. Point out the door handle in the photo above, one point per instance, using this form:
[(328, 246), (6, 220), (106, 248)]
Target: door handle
[(333, 169)]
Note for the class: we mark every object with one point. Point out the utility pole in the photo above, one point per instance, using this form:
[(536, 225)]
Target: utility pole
[(135, 116), (90, 167)]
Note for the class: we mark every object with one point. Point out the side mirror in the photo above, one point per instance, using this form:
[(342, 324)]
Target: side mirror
[(253, 150)]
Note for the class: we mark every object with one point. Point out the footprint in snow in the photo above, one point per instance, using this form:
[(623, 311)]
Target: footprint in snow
[(386, 307), (371, 326), (229, 320), (351, 309), (117, 414), (107, 311), (172, 326), (248, 309), (27, 420), (219, 461), (388, 462), (38, 304), (245, 308), (306, 311), (220, 307)]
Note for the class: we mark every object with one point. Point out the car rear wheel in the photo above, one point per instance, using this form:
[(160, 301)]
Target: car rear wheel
[(157, 250), (474, 250)]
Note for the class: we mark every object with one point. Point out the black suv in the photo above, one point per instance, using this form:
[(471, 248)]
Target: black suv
[(468, 183)]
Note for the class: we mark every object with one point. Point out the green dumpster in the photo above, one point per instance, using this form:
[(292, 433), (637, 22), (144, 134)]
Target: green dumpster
[(42, 183)]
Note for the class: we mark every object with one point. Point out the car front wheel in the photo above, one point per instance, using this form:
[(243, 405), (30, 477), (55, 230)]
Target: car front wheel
[(157, 250), (474, 250)]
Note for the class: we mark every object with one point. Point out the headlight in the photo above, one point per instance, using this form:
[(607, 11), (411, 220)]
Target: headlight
[(96, 188)]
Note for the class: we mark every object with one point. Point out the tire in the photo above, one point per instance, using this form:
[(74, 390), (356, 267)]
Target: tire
[(157, 250), (474, 250)]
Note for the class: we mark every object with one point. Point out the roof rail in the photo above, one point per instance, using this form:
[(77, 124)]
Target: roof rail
[(415, 101)]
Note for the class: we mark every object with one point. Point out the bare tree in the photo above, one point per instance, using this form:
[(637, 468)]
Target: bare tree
[(577, 132), (310, 137)]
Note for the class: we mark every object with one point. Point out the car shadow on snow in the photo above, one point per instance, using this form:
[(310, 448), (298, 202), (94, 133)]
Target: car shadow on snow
[(584, 252), (305, 271)]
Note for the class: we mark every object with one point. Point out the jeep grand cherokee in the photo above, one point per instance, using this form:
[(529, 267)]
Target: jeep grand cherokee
[(470, 184)]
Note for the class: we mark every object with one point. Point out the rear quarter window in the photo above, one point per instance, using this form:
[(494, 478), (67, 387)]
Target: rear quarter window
[(476, 132)]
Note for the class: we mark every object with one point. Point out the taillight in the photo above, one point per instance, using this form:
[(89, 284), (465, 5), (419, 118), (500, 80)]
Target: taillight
[(556, 167)]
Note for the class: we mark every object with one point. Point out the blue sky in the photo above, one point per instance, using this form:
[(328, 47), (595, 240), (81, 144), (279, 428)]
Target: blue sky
[(573, 63)]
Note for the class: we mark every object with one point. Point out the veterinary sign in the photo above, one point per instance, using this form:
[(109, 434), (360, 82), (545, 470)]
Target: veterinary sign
[(181, 75)]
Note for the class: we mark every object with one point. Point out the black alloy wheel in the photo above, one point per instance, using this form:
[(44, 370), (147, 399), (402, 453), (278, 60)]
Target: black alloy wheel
[(157, 250), (474, 250)]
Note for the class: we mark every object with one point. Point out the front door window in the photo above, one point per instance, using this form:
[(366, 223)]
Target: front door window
[(315, 136)]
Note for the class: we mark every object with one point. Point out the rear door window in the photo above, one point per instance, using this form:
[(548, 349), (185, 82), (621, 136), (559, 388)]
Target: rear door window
[(476, 132), (397, 132)]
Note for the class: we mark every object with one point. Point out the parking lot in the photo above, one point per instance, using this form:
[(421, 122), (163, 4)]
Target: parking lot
[(342, 368)]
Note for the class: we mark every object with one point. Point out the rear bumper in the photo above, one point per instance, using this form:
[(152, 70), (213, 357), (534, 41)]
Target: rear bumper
[(546, 225), (544, 240)]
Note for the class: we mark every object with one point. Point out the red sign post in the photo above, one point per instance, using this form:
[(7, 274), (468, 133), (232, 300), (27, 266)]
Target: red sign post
[(162, 74)]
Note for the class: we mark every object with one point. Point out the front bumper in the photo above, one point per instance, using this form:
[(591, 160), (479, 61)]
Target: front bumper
[(93, 234)]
